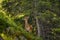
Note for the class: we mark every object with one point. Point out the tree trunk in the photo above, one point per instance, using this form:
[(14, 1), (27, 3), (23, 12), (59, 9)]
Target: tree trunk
[(38, 28)]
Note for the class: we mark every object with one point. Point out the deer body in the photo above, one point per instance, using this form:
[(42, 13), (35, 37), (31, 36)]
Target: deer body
[(28, 27)]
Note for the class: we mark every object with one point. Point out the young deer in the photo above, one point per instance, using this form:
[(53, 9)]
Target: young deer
[(28, 27)]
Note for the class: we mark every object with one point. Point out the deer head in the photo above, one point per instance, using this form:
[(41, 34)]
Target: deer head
[(26, 18)]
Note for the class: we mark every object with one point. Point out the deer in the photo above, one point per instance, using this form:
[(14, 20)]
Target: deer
[(28, 27)]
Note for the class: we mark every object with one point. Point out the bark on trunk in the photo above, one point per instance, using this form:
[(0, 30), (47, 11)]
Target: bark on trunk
[(38, 28)]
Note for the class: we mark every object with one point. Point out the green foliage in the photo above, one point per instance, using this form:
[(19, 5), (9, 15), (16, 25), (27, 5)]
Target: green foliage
[(13, 24), (12, 13)]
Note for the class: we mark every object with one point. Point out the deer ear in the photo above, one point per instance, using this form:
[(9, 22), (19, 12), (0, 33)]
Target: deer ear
[(27, 17)]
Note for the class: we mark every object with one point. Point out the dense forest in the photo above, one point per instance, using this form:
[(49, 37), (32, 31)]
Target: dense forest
[(29, 19)]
